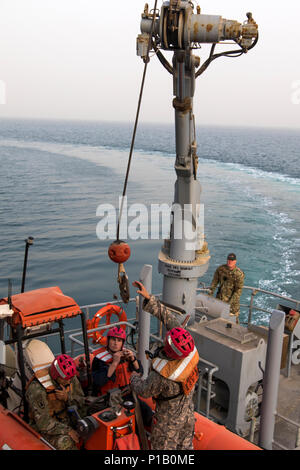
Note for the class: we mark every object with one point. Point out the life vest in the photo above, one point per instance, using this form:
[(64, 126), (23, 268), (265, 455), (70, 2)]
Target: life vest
[(122, 372), (184, 371), (57, 407)]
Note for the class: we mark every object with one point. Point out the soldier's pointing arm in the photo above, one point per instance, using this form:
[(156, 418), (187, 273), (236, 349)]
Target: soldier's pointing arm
[(155, 307), (150, 387)]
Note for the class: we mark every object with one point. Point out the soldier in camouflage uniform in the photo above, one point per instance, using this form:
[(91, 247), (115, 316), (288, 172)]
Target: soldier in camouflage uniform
[(230, 279), (48, 407), (174, 421)]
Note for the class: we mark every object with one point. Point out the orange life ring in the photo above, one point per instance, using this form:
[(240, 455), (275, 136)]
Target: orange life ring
[(107, 311)]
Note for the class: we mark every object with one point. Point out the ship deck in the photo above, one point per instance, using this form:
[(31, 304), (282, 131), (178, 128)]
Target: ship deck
[(288, 405), (286, 432)]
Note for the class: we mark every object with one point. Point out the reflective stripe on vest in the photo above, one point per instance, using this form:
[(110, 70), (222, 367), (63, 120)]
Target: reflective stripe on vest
[(41, 372), (104, 355), (177, 370), (56, 407)]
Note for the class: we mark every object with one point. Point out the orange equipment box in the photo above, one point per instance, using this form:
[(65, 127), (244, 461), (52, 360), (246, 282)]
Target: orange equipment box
[(104, 437)]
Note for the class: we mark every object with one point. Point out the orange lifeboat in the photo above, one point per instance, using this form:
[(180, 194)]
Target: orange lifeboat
[(212, 436), (18, 435)]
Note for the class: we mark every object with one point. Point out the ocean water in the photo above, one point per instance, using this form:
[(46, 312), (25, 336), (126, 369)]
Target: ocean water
[(54, 175)]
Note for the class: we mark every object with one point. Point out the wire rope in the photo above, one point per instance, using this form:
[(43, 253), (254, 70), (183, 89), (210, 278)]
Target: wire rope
[(146, 60)]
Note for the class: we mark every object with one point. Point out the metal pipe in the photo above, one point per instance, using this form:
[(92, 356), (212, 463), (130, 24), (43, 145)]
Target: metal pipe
[(298, 437), (144, 319), (209, 384), (289, 358), (251, 306), (62, 337), (271, 379), (133, 299), (28, 242), (199, 390), (86, 351), (2, 326), (34, 335), (271, 293), (102, 327), (19, 331), (252, 429), (290, 421)]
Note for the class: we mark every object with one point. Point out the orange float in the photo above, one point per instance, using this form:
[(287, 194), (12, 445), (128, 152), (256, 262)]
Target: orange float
[(107, 311)]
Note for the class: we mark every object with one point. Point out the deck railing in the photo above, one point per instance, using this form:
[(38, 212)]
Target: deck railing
[(293, 423)]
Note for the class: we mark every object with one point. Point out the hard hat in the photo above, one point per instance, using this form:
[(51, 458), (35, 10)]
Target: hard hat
[(116, 332), (63, 366), (179, 343)]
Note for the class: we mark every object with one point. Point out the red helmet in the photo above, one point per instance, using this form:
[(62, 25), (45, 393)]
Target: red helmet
[(117, 332), (179, 343), (63, 366)]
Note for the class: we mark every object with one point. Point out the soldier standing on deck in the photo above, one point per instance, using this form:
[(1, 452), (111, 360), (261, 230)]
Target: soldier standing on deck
[(171, 381), (230, 279)]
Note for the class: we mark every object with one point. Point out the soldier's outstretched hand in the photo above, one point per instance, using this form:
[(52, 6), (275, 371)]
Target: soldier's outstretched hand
[(141, 289)]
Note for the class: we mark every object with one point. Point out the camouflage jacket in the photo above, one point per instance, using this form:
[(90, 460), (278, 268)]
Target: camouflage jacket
[(230, 284), (158, 386), (40, 416), (158, 310)]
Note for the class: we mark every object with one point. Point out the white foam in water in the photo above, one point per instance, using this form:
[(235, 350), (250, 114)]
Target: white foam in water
[(256, 173), (262, 189), (269, 196), (142, 163)]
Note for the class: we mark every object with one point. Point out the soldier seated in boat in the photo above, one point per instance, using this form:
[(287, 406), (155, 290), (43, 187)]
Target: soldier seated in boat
[(230, 280), (49, 394), (171, 381), (113, 366)]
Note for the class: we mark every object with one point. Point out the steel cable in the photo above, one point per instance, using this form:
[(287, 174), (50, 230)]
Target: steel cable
[(146, 60)]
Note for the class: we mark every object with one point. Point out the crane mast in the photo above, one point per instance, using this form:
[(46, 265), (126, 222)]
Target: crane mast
[(184, 257)]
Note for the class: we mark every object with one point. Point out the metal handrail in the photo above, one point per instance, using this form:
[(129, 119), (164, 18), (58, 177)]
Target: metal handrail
[(293, 423), (101, 327), (209, 370), (251, 307), (257, 289)]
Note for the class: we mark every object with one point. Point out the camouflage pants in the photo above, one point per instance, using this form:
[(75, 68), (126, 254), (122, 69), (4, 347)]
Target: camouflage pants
[(63, 442), (173, 435), (237, 317), (234, 306)]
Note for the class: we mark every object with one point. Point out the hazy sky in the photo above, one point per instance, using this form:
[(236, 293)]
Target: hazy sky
[(76, 59)]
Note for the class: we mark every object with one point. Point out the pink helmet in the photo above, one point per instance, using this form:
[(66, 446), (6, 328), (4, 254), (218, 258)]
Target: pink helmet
[(63, 366), (179, 343), (117, 332)]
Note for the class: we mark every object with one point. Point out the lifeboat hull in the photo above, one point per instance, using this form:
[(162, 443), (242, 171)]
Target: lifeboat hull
[(17, 435), (212, 436)]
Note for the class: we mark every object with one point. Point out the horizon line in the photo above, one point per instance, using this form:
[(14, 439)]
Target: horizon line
[(131, 122)]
